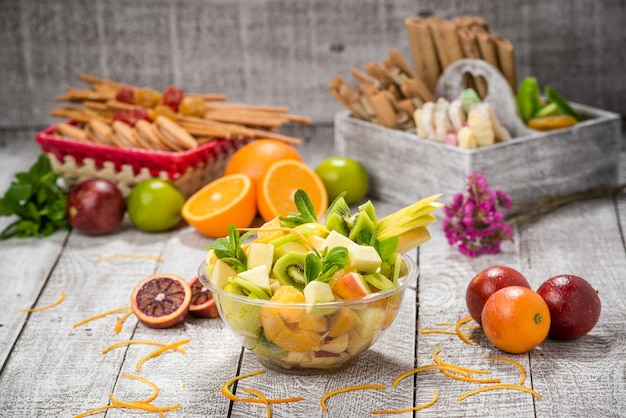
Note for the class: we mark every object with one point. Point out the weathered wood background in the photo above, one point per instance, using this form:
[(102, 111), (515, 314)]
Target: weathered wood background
[(283, 52)]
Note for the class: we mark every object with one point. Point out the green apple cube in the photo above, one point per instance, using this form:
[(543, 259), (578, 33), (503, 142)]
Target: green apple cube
[(318, 292), (260, 253), (363, 258), (258, 276), (336, 239), (220, 273)]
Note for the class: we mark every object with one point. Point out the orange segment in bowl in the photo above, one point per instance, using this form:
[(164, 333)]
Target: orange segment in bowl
[(288, 334), (276, 190), (225, 201)]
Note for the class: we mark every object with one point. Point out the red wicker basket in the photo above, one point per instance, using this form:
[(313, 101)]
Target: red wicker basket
[(76, 161)]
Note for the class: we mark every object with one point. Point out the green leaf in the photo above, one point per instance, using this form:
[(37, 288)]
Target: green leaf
[(37, 200), (312, 267), (229, 250), (332, 261), (306, 211), (388, 247)]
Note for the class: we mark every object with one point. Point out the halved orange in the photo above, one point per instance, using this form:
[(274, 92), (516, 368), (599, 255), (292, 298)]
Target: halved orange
[(228, 200), (276, 190)]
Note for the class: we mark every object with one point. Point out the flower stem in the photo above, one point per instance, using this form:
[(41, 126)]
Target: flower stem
[(531, 209)]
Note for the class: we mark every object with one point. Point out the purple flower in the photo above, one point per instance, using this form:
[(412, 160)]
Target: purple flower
[(473, 222)]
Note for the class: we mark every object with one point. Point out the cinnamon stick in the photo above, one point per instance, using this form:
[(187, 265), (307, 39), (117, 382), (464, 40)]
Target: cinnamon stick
[(467, 38), (486, 46)]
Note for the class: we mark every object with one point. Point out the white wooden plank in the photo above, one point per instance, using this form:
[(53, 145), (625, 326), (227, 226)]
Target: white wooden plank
[(25, 263), (579, 377)]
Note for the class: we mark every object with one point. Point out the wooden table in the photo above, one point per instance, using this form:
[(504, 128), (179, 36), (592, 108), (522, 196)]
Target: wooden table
[(51, 369)]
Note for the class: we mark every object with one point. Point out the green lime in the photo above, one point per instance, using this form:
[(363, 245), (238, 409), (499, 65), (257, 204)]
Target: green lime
[(154, 205), (343, 174)]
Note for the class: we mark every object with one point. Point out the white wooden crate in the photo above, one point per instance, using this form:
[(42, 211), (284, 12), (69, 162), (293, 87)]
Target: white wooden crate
[(403, 167)]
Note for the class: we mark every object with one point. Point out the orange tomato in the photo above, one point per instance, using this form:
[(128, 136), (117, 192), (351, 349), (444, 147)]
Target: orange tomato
[(516, 319)]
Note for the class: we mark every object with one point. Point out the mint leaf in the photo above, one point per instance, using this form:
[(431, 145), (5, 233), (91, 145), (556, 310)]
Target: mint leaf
[(228, 249), (37, 200), (332, 261), (305, 208), (312, 267), (384, 248)]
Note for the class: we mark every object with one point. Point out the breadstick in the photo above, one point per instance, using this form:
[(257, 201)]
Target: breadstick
[(506, 59), (397, 59), (217, 97), (415, 87), (361, 77), (379, 73), (383, 109), (423, 51)]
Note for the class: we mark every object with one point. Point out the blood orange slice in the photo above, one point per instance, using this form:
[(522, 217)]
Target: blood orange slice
[(202, 302), (161, 300)]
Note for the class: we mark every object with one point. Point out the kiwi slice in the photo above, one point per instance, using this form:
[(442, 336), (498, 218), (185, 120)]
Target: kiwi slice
[(289, 269), (361, 222), (248, 287), (379, 281), (338, 216)]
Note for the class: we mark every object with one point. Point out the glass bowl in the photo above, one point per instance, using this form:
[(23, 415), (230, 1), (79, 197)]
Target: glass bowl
[(309, 339)]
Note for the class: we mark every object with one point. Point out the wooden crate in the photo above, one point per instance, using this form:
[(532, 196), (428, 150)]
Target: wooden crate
[(403, 167)]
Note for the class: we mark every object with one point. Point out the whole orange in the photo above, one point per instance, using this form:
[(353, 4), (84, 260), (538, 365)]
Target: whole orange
[(516, 319), (253, 159)]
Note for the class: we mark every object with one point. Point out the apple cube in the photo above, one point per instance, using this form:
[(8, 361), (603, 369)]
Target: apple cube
[(351, 285), (220, 273), (318, 292), (258, 276), (259, 253), (336, 239), (363, 258)]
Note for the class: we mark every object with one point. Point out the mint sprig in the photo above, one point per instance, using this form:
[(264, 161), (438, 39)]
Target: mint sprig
[(228, 249), (322, 266), (385, 248), (306, 211), (37, 200)]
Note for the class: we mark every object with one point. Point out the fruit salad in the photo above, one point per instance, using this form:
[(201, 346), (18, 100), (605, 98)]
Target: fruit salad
[(308, 297)]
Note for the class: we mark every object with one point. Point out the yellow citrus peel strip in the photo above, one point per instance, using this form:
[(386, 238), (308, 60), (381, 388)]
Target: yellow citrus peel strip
[(120, 322), (43, 308), (147, 342), (102, 315), (159, 351), (494, 387), (425, 368), (262, 398), (227, 393), (113, 257), (515, 363), (453, 324), (457, 328), (154, 387), (145, 406), (466, 376), (348, 389), (142, 405), (415, 408)]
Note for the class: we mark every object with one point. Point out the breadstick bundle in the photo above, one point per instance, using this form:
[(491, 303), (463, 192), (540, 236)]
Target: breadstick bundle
[(387, 93), (125, 116)]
